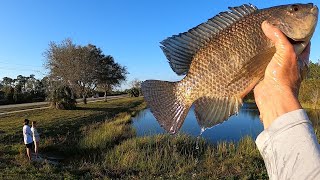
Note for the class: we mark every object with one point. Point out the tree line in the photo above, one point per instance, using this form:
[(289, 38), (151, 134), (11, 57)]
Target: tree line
[(75, 71), (310, 87), (22, 89)]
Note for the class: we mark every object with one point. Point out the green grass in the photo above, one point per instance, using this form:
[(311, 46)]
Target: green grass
[(306, 105), (174, 157), (61, 131), (109, 133), (97, 141)]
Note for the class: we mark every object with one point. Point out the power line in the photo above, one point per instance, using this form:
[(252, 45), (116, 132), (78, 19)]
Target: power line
[(35, 72), (18, 69), (19, 64)]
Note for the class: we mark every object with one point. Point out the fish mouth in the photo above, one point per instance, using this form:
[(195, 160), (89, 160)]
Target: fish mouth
[(299, 45), (314, 9), (295, 41)]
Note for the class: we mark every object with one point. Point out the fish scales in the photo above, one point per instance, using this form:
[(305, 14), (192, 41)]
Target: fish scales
[(223, 59)]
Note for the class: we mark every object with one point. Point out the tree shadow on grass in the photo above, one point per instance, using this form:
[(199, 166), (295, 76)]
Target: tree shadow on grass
[(114, 109), (66, 136), (61, 137), (72, 126)]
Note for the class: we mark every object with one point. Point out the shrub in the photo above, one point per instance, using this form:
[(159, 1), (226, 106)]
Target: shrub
[(134, 92), (62, 98)]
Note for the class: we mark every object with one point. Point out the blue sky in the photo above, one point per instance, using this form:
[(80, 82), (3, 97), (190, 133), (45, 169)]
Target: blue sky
[(128, 30)]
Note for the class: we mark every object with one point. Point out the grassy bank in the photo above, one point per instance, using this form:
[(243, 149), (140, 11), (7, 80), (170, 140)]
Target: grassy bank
[(97, 141), (165, 156), (61, 132), (307, 105)]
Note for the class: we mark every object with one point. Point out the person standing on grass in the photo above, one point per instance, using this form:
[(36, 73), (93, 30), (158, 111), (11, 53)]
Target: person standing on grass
[(27, 138), (35, 137)]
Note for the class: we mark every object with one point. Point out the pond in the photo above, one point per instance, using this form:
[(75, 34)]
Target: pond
[(246, 123)]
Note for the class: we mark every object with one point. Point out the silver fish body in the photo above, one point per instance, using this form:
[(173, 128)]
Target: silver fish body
[(223, 59)]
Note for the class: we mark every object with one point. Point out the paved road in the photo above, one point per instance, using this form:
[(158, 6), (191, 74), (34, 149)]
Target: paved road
[(23, 105), (45, 105)]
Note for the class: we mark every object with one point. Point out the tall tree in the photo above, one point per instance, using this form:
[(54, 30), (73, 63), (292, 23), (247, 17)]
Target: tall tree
[(82, 67), (31, 83), (136, 83), (110, 74), (7, 81), (8, 93), (314, 70), (61, 60), (135, 90), (86, 76), (17, 94), (22, 80), (73, 65), (1, 85), (1, 92)]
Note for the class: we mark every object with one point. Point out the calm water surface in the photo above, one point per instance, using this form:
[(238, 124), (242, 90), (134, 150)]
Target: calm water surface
[(246, 123)]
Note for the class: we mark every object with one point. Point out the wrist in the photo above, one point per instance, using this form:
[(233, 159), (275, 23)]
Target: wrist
[(277, 105)]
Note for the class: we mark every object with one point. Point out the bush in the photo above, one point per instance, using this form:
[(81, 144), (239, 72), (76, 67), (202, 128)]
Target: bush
[(134, 92), (62, 98)]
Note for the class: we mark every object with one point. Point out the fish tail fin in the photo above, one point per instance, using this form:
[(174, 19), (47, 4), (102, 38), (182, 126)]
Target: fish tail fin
[(166, 103)]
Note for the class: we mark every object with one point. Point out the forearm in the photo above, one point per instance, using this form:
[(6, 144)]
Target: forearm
[(290, 148), (274, 101)]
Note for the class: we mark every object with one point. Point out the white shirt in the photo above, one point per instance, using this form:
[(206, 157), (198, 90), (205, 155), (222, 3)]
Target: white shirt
[(290, 148), (35, 134), (27, 134)]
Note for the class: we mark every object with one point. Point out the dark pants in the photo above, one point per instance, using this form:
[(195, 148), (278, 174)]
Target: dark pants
[(30, 145)]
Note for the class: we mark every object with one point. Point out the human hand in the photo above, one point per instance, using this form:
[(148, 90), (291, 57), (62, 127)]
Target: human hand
[(277, 93)]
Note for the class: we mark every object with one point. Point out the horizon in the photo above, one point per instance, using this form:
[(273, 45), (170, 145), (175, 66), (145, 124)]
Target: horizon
[(129, 31)]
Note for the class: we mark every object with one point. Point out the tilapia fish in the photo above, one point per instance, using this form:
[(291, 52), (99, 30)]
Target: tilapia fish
[(222, 60)]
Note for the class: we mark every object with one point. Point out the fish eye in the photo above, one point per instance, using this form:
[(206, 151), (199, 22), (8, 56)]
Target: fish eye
[(293, 8)]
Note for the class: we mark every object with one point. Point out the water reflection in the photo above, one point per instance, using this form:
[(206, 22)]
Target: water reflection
[(246, 123)]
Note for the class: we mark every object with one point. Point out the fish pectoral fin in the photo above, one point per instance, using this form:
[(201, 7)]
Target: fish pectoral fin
[(210, 111), (256, 65)]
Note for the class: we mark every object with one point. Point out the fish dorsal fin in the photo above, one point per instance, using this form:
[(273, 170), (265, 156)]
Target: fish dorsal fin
[(180, 49), (211, 111)]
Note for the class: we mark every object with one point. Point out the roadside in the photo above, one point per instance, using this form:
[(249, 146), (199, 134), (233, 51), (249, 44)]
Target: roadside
[(14, 108)]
